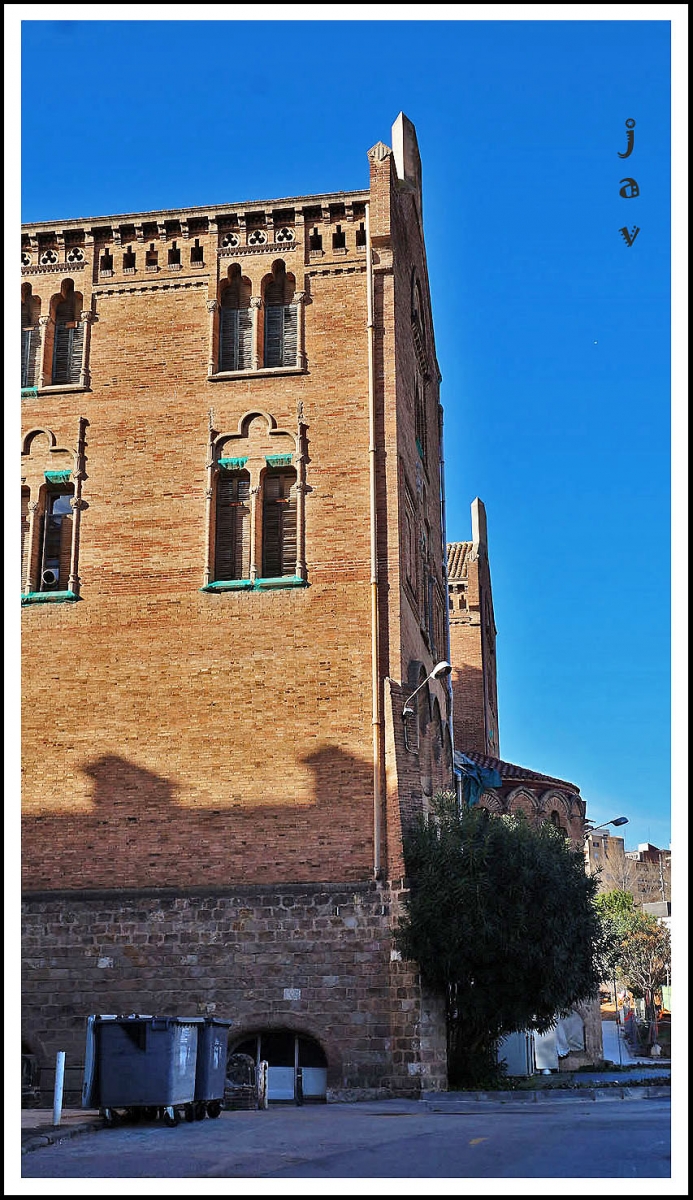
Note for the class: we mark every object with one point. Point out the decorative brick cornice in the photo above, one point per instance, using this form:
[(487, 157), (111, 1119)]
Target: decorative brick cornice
[(65, 268), (163, 286), (268, 248)]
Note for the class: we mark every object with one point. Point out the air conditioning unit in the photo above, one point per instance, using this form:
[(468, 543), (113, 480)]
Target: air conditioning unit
[(50, 578)]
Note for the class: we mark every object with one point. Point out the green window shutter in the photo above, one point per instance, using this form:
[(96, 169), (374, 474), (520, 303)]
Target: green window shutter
[(274, 336), (228, 339), (232, 543), (290, 346)]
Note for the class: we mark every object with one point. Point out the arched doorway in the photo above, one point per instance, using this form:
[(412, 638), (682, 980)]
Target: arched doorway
[(290, 1057)]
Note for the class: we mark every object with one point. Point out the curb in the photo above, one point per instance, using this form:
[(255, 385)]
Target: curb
[(550, 1096), (51, 1137)]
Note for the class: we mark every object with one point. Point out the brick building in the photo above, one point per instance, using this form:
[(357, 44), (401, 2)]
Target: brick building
[(645, 872), (232, 578), (483, 777)]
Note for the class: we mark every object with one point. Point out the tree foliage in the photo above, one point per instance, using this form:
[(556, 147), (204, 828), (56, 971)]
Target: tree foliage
[(640, 951), (501, 920)]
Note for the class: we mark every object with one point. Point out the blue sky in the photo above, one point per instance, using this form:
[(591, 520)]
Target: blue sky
[(553, 335)]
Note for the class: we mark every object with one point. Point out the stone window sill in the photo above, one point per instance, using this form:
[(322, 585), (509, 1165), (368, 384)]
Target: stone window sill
[(261, 371), (52, 388), (258, 585), (48, 597)]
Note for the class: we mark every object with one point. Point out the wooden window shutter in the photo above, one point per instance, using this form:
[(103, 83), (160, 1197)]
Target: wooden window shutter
[(245, 339), (290, 346), (279, 524), (25, 537), (31, 341), (232, 547), (76, 350), (274, 336), (228, 339), (62, 353)]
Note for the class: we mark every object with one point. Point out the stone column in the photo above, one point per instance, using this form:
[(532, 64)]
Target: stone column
[(45, 347), (299, 298), (255, 307), (84, 374), (212, 309), (31, 556), (255, 492)]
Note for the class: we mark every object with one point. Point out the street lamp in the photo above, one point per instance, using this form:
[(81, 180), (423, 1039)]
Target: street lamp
[(590, 828), (439, 671)]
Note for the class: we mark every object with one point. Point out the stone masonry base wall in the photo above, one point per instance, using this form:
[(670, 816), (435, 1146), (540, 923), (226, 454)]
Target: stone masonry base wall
[(315, 959)]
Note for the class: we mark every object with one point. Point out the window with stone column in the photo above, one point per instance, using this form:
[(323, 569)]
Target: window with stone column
[(51, 505), (256, 506), (64, 348)]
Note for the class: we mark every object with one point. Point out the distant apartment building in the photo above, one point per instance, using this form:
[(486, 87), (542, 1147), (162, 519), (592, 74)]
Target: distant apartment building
[(645, 872)]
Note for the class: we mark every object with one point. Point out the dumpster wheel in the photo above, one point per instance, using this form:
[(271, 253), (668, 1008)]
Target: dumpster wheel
[(171, 1117), (200, 1110), (214, 1108), (189, 1112)]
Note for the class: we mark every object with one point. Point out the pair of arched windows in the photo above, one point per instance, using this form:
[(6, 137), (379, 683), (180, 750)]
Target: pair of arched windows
[(273, 341), (63, 346), (234, 551)]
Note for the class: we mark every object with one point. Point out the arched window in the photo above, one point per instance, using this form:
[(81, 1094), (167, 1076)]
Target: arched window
[(56, 539), (281, 319), (235, 324), (68, 337), (31, 337), (278, 523), (232, 538)]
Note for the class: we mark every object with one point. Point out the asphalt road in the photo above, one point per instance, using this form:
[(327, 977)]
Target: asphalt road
[(389, 1140)]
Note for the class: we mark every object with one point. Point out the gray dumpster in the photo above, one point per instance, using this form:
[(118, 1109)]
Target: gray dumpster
[(210, 1074), (143, 1064)]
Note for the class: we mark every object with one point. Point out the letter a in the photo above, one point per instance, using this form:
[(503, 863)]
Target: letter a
[(629, 190)]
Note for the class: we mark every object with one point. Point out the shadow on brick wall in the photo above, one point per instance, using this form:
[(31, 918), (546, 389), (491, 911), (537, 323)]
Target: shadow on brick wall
[(139, 835)]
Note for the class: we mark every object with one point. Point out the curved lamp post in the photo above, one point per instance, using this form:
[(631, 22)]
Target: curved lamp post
[(439, 671)]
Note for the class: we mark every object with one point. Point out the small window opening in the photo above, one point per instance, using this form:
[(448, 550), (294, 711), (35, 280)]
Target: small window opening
[(338, 239), (106, 261), (152, 258), (197, 252), (129, 260), (361, 236), (174, 256), (315, 240)]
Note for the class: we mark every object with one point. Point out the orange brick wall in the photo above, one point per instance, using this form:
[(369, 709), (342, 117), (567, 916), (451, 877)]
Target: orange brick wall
[(176, 737)]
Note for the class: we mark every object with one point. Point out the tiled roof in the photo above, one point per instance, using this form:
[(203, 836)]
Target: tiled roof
[(508, 771), (458, 553)]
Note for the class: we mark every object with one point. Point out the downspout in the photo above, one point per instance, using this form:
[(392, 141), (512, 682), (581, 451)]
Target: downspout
[(375, 638)]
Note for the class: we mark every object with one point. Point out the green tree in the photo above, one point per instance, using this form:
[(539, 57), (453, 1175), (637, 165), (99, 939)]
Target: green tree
[(501, 920), (644, 960)]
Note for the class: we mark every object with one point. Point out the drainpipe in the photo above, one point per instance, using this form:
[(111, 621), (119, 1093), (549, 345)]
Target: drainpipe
[(375, 639)]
